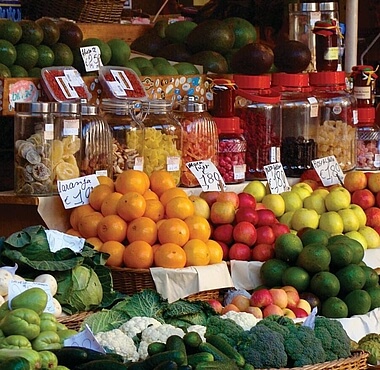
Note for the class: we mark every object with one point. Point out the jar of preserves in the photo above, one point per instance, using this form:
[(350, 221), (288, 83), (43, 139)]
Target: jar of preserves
[(163, 138), (232, 150), (200, 137), (363, 81), (337, 125), (33, 135), (124, 118), (223, 97), (96, 148)]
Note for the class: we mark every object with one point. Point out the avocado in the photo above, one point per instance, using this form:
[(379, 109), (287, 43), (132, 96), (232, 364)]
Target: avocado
[(291, 56), (70, 34), (211, 61), (176, 52), (150, 43)]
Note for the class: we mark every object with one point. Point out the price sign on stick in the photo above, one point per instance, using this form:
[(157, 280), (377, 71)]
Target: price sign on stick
[(91, 58), (328, 170), (207, 174), (277, 180)]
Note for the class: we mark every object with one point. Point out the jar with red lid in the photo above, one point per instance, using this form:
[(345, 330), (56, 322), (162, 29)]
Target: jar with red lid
[(337, 125), (232, 150), (363, 81), (223, 97)]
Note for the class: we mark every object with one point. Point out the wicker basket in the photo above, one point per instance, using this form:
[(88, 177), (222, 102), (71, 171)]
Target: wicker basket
[(89, 11), (74, 321), (130, 281)]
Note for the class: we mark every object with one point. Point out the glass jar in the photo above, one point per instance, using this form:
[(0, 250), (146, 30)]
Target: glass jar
[(163, 138), (67, 141), (337, 126), (124, 117), (232, 150), (96, 148), (363, 81), (368, 141), (223, 97), (200, 137), (33, 137)]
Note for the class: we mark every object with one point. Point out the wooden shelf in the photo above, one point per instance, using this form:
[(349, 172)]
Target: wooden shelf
[(9, 197)]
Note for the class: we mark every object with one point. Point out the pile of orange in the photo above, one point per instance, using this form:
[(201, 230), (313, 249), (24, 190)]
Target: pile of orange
[(143, 221)]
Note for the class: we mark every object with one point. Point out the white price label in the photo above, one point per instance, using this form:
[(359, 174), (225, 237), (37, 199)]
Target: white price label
[(328, 170), (91, 58), (207, 174), (277, 180)]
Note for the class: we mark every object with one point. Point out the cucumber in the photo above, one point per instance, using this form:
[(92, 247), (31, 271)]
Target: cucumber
[(248, 366), (196, 358), (15, 363), (176, 343), (192, 339), (151, 362), (226, 348), (217, 353), (218, 365), (167, 365), (156, 347), (71, 356), (101, 365)]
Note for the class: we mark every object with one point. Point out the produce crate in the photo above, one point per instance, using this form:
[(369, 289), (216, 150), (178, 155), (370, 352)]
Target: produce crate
[(74, 321)]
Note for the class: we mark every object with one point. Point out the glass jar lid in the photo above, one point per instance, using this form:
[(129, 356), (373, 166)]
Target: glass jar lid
[(35, 107), (189, 104)]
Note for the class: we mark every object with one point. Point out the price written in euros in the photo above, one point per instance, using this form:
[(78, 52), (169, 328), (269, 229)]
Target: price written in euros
[(91, 58), (277, 180), (328, 170), (207, 174)]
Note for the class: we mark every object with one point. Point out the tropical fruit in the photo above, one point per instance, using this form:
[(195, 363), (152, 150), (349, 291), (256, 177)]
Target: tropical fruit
[(178, 31), (334, 307), (166, 70), (372, 278), (186, 68), (351, 277), (27, 55), (50, 29), (296, 277), (8, 53), (245, 32), (176, 52), (211, 61), (120, 52), (63, 56), (10, 31), (314, 258), (374, 293), (70, 34), (271, 272), (32, 33), (314, 236), (291, 56), (324, 284), (149, 43), (141, 62), (287, 247), (341, 254), (358, 302)]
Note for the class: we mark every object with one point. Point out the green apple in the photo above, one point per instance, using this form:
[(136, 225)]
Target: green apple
[(371, 235), (338, 198), (316, 202), (358, 237), (321, 191), (304, 217), (302, 189), (292, 200), (257, 189), (201, 207), (286, 218), (360, 214), (350, 220), (331, 222), (274, 202)]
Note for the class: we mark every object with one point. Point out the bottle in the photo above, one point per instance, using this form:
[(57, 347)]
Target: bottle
[(33, 138), (223, 97), (363, 80)]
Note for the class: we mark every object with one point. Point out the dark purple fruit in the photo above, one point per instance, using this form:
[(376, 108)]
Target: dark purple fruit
[(291, 56), (313, 300)]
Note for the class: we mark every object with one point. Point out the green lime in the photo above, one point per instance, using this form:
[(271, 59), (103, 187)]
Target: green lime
[(18, 71), (245, 32), (132, 65), (4, 71), (105, 49), (35, 72), (324, 284), (351, 277), (185, 68), (63, 56), (8, 53), (357, 249), (336, 238), (32, 33), (120, 50), (296, 277), (45, 56), (271, 272), (50, 29), (27, 55), (341, 254), (310, 236), (314, 258), (141, 62), (10, 31), (178, 31), (334, 308), (166, 70), (358, 302), (372, 278), (159, 60), (149, 71), (374, 293), (287, 247)]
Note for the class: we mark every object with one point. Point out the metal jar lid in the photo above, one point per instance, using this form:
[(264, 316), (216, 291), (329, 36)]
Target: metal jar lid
[(36, 107), (189, 104), (67, 107), (328, 6), (89, 110), (303, 7)]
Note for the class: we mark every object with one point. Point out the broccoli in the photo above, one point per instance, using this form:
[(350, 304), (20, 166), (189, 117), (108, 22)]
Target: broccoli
[(263, 348), (303, 347), (227, 328), (334, 338), (282, 320), (275, 326)]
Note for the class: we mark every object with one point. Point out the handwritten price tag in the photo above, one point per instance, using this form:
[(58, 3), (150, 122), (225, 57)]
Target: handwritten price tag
[(207, 174), (91, 58), (277, 180), (328, 170), (75, 192)]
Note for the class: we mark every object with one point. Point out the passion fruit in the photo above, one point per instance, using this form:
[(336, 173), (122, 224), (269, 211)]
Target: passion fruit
[(291, 56)]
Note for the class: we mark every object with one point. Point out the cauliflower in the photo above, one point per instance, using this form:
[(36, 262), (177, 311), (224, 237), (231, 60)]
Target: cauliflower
[(138, 324), (244, 319), (118, 342), (200, 329)]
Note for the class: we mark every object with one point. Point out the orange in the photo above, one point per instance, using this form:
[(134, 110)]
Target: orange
[(142, 228), (112, 227), (155, 247), (138, 255), (197, 253), (154, 210), (73, 232), (170, 255), (88, 224), (215, 251), (98, 195), (77, 213), (173, 230), (199, 227), (149, 194), (131, 205), (95, 242), (161, 181), (179, 207), (109, 204), (115, 250), (132, 180), (107, 181), (160, 222), (172, 193)]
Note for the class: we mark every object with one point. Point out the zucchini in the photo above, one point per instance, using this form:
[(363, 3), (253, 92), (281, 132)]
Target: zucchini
[(226, 348), (196, 358), (151, 362), (192, 339), (156, 347), (217, 353), (176, 343), (101, 365), (217, 365), (71, 356), (15, 363), (167, 365)]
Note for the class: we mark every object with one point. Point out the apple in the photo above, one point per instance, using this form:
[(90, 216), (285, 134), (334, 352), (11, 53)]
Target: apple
[(255, 311), (261, 298), (302, 189), (286, 219), (280, 298), (265, 234), (222, 213), (338, 198), (292, 200), (331, 222), (244, 232), (374, 182), (223, 233), (201, 207), (305, 305), (313, 183), (229, 307), (312, 299), (266, 217), (350, 219), (321, 191), (246, 213), (371, 236), (355, 180), (373, 216), (256, 188), (293, 296), (300, 312), (304, 217), (262, 252), (260, 206), (228, 196), (377, 199), (316, 202), (363, 198), (311, 174), (287, 312), (216, 305), (272, 309), (274, 202), (360, 214), (242, 302), (225, 249), (209, 196), (279, 229), (246, 200), (240, 252), (358, 237)]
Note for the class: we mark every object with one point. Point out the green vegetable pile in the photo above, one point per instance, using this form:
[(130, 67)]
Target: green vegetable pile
[(371, 343)]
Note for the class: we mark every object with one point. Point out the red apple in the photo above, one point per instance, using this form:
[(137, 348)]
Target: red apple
[(355, 180), (266, 217), (242, 302), (311, 174), (216, 305), (222, 212), (272, 309), (229, 307), (265, 235), (313, 184), (262, 252), (300, 312), (246, 213), (377, 197), (239, 251), (244, 232), (305, 305), (363, 198), (288, 313), (280, 298), (293, 297), (247, 200), (209, 196), (261, 298), (223, 233), (255, 311), (374, 182), (260, 206), (279, 229), (228, 196), (225, 249), (373, 216)]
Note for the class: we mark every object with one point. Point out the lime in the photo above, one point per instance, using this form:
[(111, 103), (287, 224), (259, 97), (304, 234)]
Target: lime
[(271, 272), (185, 68), (50, 29), (105, 49), (245, 32), (10, 31), (357, 249), (314, 258), (8, 53), (132, 65), (358, 302), (166, 70), (18, 71), (149, 71), (324, 284), (374, 293), (159, 60), (120, 50), (372, 278), (141, 62), (4, 71), (32, 33), (63, 56), (287, 247), (351, 277), (341, 254), (27, 55), (45, 56), (334, 308), (314, 236), (35, 72), (178, 31), (296, 277)]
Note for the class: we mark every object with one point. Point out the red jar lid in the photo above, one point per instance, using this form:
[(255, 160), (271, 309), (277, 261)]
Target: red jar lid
[(366, 115), (228, 125), (327, 78), (290, 79), (252, 82)]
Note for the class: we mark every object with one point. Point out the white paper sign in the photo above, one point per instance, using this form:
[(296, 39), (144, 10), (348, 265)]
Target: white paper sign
[(207, 174), (91, 58), (58, 240), (75, 192), (84, 339), (277, 180), (328, 170)]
